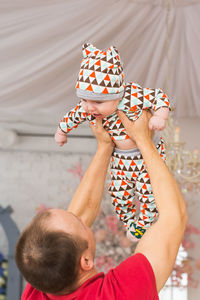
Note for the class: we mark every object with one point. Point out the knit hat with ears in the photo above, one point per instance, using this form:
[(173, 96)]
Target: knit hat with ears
[(101, 74)]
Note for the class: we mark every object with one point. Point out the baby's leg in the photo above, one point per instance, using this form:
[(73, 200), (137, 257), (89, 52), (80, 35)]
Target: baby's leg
[(122, 195), (148, 212), (123, 172)]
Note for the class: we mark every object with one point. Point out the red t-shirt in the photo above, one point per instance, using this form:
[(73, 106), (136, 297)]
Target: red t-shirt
[(133, 279)]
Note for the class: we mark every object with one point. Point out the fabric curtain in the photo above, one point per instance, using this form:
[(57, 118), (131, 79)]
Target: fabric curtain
[(40, 52)]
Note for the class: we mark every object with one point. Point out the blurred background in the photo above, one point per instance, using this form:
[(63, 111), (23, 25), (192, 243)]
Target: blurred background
[(40, 55)]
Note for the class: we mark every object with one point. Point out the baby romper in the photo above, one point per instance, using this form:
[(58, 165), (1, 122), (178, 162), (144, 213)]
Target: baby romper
[(128, 171)]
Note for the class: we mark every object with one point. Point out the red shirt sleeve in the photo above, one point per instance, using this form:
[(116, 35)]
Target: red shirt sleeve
[(135, 278)]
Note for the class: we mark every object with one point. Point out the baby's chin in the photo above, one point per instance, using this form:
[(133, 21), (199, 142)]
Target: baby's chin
[(109, 114)]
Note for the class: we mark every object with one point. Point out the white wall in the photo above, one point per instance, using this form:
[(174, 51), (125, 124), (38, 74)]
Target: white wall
[(29, 179)]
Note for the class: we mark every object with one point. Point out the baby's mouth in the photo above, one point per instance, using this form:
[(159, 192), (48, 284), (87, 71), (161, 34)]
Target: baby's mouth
[(97, 115)]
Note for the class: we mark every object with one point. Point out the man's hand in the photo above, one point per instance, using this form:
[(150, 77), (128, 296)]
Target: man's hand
[(137, 130), (101, 134), (60, 137)]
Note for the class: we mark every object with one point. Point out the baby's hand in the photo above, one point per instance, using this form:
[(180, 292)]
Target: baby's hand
[(60, 137), (157, 123)]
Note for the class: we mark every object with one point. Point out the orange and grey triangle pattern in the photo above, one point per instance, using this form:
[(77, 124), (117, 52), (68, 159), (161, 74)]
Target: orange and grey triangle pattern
[(74, 117), (101, 72), (130, 178), (137, 98), (134, 101)]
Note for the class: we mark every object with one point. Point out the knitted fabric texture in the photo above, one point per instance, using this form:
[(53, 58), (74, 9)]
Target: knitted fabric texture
[(101, 74)]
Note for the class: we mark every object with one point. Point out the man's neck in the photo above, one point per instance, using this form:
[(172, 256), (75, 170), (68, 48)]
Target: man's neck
[(85, 276)]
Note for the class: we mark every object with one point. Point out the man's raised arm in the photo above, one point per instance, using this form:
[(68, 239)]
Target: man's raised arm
[(162, 240), (87, 199)]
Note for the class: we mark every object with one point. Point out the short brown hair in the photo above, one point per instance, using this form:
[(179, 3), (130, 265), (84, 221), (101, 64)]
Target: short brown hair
[(49, 260)]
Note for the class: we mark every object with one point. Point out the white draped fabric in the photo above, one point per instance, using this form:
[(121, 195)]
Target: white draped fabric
[(40, 52)]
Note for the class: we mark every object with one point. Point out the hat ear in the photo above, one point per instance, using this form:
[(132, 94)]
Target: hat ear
[(89, 50), (115, 51)]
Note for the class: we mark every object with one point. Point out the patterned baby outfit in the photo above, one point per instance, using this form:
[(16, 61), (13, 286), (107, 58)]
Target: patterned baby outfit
[(128, 171), (135, 99), (130, 179)]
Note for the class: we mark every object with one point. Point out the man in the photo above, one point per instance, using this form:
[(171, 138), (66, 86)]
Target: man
[(56, 251)]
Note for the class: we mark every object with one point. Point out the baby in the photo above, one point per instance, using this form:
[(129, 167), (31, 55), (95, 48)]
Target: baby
[(102, 92)]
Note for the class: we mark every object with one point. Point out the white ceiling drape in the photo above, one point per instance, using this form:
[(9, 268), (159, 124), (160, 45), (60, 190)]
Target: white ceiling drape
[(40, 52)]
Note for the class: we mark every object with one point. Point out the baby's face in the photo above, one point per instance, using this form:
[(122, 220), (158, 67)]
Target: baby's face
[(100, 109)]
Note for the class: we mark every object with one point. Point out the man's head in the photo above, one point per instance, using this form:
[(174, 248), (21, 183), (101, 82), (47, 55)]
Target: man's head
[(55, 251)]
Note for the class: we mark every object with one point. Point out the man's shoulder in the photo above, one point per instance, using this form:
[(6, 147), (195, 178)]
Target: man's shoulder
[(132, 263), (135, 278)]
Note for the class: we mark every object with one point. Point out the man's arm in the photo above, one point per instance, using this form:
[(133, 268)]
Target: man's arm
[(87, 199), (162, 240)]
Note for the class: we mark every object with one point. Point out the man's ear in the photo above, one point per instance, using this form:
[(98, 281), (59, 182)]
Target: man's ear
[(86, 261)]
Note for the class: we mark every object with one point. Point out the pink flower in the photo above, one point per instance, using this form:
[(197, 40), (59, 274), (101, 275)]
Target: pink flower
[(100, 235), (112, 223), (100, 261), (105, 261), (124, 242), (192, 282), (187, 244), (77, 170), (191, 229)]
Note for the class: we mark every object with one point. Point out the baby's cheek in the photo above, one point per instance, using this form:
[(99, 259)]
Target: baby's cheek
[(109, 110), (84, 105)]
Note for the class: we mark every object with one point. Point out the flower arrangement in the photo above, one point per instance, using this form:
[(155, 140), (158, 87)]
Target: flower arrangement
[(112, 245), (3, 276)]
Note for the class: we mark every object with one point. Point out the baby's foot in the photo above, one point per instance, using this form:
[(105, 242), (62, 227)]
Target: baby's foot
[(131, 237), (134, 233)]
